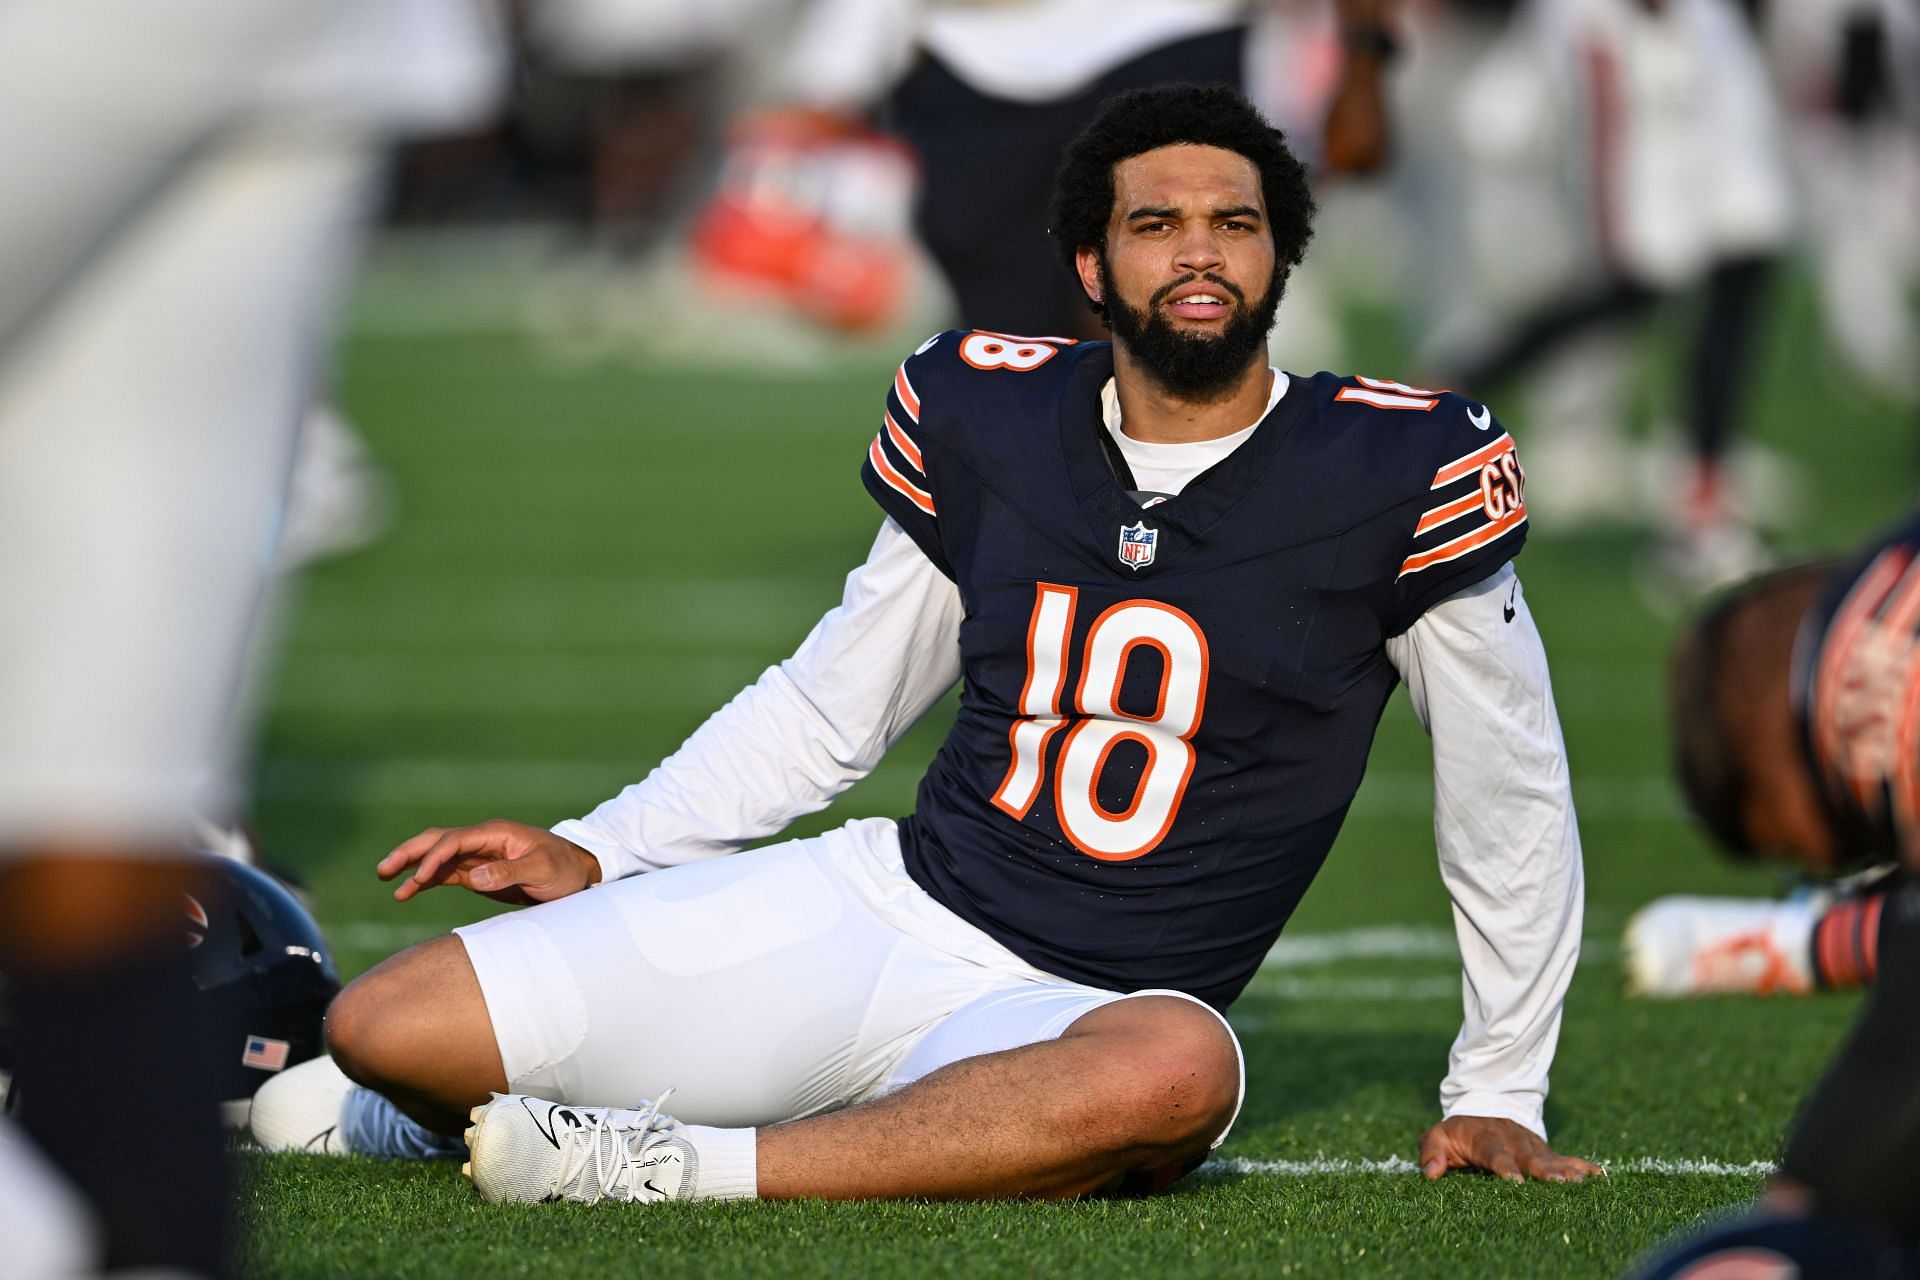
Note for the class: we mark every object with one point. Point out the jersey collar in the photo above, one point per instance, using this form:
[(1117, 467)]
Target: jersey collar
[(1206, 499)]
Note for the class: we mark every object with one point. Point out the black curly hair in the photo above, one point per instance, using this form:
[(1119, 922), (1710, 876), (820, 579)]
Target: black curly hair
[(1143, 120)]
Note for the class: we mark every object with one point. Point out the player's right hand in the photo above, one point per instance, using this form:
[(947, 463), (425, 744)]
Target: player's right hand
[(505, 861)]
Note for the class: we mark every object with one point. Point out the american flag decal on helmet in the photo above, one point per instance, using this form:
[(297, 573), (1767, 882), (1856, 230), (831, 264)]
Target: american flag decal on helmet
[(266, 1054)]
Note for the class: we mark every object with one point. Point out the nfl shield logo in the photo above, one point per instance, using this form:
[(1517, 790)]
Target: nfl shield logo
[(1136, 544)]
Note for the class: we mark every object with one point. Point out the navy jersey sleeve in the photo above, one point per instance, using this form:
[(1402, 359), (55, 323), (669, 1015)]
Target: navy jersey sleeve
[(1471, 520), (897, 469)]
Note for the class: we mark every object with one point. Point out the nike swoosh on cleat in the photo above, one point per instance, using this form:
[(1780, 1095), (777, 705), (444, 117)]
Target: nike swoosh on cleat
[(546, 1130), (1480, 418), (648, 1184), (318, 1142)]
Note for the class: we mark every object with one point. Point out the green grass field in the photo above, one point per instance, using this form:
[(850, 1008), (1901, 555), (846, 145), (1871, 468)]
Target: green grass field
[(591, 556)]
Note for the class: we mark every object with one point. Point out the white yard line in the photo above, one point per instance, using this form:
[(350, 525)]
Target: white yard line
[(1391, 942), (367, 935), (1381, 942), (1346, 991), (1719, 1168), (1400, 1165), (1405, 793)]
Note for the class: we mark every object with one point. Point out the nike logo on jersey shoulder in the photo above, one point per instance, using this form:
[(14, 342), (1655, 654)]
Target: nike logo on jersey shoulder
[(1480, 417)]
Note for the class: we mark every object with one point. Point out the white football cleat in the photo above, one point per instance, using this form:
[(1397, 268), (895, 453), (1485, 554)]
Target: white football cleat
[(300, 1109), (1720, 946), (529, 1151), (314, 1107)]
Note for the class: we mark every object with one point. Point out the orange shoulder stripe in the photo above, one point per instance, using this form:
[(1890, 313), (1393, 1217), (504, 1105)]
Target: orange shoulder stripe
[(909, 399), (1444, 514), (1464, 543), (1461, 467), (891, 474), (908, 449)]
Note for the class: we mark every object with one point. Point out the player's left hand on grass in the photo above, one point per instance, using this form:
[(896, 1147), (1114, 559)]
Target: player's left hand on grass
[(502, 860), (1500, 1147)]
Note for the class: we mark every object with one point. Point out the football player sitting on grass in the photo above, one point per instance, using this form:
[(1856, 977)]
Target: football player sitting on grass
[(1178, 587)]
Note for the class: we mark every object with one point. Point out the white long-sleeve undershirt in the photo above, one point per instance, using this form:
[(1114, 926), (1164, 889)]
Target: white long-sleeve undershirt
[(1509, 850), (1509, 847)]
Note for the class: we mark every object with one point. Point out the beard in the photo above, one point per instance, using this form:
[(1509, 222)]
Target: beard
[(1193, 366)]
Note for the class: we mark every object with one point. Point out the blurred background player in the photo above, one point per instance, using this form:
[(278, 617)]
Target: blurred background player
[(1742, 730), (988, 96), (188, 178), (779, 158), (984, 99), (1849, 77), (1672, 121), (1797, 710)]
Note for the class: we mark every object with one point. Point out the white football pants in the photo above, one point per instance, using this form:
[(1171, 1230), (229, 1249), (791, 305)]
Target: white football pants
[(766, 986)]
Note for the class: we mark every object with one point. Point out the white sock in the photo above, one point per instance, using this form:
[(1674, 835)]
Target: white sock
[(729, 1168)]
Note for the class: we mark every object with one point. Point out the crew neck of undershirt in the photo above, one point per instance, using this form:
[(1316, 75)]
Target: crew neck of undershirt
[(1169, 468)]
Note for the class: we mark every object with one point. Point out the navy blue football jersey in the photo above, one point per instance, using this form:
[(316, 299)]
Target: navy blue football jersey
[(1166, 710)]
